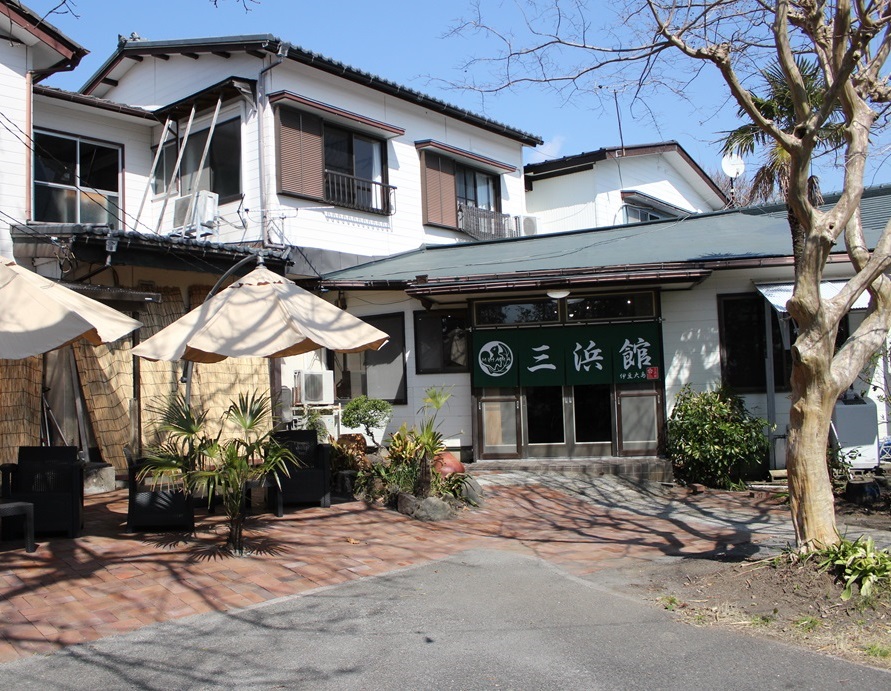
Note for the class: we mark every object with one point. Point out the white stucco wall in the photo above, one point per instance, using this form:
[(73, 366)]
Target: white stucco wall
[(14, 151)]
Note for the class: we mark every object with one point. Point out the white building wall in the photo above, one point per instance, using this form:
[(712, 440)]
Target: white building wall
[(308, 223), (14, 151), (592, 198)]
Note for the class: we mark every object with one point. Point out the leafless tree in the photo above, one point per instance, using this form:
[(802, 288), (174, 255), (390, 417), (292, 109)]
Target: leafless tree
[(657, 40)]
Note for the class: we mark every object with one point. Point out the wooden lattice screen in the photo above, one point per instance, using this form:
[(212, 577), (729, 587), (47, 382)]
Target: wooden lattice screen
[(106, 379), (20, 384)]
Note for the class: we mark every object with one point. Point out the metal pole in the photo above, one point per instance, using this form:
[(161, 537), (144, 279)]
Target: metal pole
[(189, 366), (770, 384)]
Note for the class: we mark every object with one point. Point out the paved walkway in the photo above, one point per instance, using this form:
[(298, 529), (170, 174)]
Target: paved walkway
[(108, 582)]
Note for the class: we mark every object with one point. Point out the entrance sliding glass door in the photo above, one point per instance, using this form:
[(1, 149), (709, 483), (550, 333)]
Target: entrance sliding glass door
[(568, 421), (498, 424)]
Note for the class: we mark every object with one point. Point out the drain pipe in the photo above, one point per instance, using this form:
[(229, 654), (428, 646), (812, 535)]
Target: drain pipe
[(262, 102)]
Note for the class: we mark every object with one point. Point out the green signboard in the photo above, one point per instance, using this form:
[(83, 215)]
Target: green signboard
[(540, 352), (494, 359), (571, 355), (637, 352)]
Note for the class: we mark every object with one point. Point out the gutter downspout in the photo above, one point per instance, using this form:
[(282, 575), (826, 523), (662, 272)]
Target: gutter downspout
[(262, 103)]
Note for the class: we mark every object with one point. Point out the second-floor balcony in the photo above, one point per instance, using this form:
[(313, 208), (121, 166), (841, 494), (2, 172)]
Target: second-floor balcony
[(483, 224), (357, 193)]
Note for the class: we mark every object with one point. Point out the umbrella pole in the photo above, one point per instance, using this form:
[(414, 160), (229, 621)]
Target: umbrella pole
[(189, 366)]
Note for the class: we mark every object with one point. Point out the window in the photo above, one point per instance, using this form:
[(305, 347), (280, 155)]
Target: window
[(221, 172), (75, 180), (741, 322), (458, 196), (441, 342), (476, 189), (528, 312), (322, 161), (640, 214), (612, 306), (376, 374)]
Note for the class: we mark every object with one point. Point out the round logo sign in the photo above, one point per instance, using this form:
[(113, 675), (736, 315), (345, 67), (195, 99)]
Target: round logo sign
[(495, 358)]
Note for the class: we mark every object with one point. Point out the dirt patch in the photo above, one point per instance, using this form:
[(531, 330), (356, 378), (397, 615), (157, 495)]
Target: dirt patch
[(797, 603)]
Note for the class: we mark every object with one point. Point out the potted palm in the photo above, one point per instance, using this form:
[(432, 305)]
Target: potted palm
[(220, 467)]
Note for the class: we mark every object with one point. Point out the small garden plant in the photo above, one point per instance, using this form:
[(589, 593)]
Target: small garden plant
[(859, 563), (408, 467), (712, 439)]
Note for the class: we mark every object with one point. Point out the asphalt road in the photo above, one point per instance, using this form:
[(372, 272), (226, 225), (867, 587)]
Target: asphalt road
[(478, 620)]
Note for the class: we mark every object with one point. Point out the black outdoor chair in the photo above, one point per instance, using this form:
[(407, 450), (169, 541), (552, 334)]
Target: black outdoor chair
[(51, 478), (308, 483), (157, 506)]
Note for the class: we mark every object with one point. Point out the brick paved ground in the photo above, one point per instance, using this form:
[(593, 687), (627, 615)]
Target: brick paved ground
[(107, 582)]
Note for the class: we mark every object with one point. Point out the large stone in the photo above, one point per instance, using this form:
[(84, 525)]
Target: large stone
[(472, 493), (433, 509), (407, 504)]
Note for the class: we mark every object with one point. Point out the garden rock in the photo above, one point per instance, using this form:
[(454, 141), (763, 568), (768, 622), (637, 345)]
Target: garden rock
[(407, 504), (429, 509), (434, 509), (472, 493)]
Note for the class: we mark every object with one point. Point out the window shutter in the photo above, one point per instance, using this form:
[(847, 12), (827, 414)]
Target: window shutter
[(440, 198), (301, 156)]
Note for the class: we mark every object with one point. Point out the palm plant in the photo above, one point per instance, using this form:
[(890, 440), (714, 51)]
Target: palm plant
[(429, 438), (218, 467), (772, 178)]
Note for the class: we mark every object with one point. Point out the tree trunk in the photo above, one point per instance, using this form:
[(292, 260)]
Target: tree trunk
[(810, 486)]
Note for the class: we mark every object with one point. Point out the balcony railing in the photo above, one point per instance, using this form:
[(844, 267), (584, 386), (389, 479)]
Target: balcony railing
[(357, 193), (483, 224)]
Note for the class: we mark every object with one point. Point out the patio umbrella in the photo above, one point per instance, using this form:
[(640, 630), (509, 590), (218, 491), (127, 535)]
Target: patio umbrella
[(260, 315), (38, 315)]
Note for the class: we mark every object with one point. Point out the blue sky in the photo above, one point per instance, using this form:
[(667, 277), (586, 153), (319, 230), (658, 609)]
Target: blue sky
[(407, 41)]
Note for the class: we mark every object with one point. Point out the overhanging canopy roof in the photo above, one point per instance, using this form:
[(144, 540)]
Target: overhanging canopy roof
[(778, 294)]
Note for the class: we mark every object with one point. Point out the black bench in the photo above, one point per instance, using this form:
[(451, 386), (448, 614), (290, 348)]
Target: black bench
[(9, 509)]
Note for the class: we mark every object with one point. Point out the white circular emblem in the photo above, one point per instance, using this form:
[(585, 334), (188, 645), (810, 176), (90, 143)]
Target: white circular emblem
[(495, 358)]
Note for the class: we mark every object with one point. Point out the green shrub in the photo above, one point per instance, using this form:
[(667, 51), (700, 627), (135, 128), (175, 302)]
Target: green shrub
[(712, 439), (366, 413)]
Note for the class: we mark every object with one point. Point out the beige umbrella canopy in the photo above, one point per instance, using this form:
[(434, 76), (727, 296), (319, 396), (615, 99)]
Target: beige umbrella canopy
[(260, 315), (38, 315)]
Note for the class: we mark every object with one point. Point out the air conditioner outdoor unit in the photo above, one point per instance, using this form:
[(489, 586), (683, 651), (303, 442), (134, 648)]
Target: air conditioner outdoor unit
[(204, 212), (526, 225), (313, 387)]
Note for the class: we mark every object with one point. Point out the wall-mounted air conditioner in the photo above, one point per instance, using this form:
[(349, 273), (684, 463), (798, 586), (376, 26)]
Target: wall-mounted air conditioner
[(204, 213), (313, 388), (526, 225)]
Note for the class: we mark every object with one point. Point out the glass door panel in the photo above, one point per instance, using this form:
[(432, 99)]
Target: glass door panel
[(592, 414), (545, 422), (639, 422), (499, 431)]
